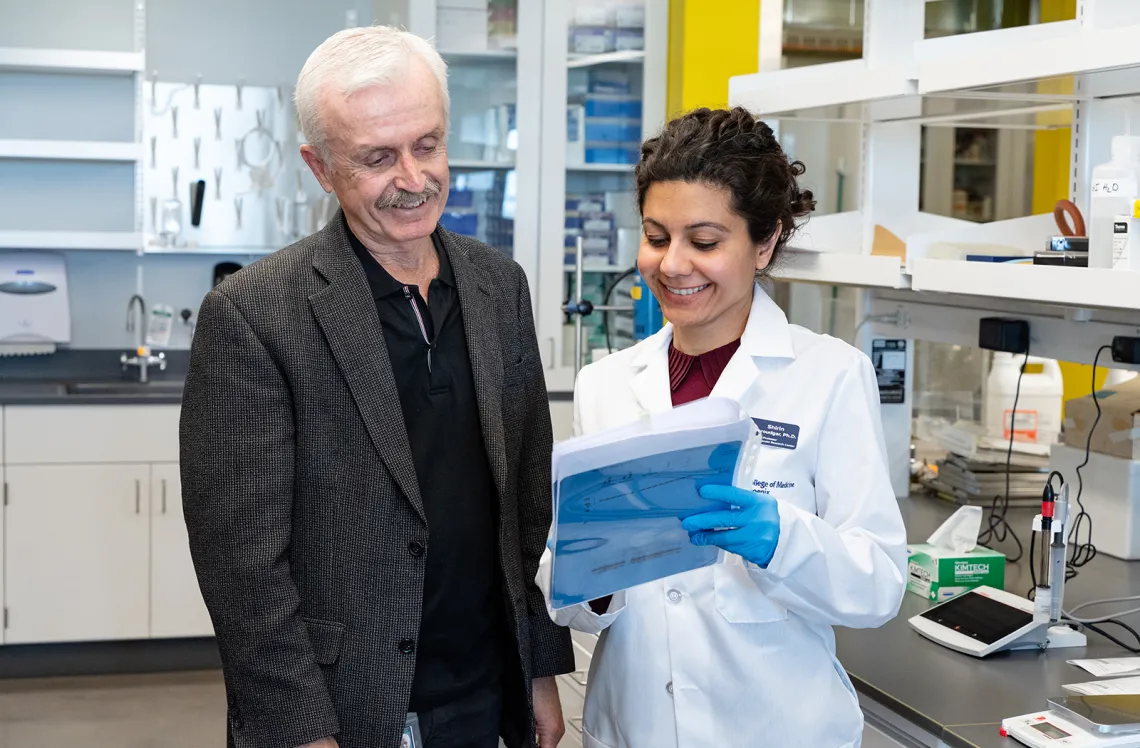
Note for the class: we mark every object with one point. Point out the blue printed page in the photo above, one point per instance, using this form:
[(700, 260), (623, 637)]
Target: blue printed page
[(619, 525)]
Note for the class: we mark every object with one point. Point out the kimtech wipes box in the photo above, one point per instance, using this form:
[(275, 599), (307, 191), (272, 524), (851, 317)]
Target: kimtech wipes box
[(939, 573)]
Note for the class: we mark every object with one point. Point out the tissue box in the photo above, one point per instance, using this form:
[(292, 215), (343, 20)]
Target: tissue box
[(939, 574)]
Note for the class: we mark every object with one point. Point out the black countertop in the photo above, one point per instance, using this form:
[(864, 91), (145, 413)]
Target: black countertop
[(159, 392), (962, 699)]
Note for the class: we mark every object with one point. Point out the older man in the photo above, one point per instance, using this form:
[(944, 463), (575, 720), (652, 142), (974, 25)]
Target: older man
[(366, 447)]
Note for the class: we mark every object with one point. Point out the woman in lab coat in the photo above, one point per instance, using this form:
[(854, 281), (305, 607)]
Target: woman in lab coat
[(741, 654)]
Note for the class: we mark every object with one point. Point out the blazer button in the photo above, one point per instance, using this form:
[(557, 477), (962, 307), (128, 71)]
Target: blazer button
[(415, 549), (407, 646)]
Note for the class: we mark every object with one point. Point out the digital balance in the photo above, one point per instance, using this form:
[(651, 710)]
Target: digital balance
[(1080, 721), (987, 620)]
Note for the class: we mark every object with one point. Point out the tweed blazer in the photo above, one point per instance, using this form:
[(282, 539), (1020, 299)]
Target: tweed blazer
[(302, 502)]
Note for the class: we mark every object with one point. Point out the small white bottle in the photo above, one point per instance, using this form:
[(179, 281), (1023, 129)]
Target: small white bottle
[(1115, 185)]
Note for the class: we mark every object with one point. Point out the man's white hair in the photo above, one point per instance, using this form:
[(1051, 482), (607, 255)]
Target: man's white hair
[(360, 58)]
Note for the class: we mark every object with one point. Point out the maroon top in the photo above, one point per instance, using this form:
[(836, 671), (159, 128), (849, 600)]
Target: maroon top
[(693, 377)]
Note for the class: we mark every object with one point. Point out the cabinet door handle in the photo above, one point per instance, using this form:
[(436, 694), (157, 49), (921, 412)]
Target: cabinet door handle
[(164, 495), (138, 497)]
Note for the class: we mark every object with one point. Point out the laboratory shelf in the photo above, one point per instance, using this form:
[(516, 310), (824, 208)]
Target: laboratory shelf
[(71, 61), (70, 150), (816, 86), (490, 55), (1027, 53), (190, 251), (473, 164), (632, 56), (608, 269), (840, 269), (1089, 288), (603, 168), (71, 240)]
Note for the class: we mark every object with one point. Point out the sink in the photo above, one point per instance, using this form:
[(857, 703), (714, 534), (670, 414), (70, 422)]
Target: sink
[(160, 387)]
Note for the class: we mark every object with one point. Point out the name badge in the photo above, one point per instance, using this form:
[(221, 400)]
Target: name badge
[(411, 737), (776, 434)]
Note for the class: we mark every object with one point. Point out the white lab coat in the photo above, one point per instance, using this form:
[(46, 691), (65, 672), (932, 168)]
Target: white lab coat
[(734, 655)]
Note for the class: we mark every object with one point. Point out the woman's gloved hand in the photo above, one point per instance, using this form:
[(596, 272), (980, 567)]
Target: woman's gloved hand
[(750, 529)]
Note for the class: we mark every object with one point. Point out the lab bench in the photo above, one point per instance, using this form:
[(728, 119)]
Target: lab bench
[(932, 693)]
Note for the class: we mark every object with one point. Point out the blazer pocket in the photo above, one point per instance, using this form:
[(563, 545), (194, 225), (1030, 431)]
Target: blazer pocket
[(739, 601), (515, 374), (327, 637)]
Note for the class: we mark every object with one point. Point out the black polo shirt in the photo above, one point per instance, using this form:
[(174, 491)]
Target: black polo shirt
[(459, 646)]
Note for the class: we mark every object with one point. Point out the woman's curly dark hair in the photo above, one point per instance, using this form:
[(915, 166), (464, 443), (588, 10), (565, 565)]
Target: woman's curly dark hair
[(730, 148)]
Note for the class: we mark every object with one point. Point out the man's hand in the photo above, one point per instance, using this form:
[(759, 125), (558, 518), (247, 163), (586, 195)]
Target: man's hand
[(548, 713), (322, 743)]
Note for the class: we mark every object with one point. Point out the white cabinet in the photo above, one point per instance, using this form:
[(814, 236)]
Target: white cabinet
[(176, 607), (77, 555), (97, 546)]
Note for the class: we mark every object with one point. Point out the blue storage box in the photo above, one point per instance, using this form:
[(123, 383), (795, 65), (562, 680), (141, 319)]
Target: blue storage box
[(612, 130), (612, 153), (460, 198), (613, 105), (609, 81), (465, 224)]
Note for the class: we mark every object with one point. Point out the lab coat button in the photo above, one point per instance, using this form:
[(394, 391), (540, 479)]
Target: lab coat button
[(674, 596), (669, 687)]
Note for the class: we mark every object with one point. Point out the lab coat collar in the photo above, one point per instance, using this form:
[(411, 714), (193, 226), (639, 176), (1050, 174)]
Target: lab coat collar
[(766, 335)]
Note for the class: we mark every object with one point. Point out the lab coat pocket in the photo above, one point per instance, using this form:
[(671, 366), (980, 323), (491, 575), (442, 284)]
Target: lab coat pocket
[(589, 741), (738, 598)]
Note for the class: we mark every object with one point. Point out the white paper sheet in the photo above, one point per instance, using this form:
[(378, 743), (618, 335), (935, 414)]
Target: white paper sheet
[(1110, 666), (1114, 686)]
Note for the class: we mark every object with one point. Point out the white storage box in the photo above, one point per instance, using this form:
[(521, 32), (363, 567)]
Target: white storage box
[(461, 30), (1111, 496), (462, 5)]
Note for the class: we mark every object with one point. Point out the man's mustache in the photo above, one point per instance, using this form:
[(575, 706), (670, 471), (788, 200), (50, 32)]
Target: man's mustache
[(404, 199)]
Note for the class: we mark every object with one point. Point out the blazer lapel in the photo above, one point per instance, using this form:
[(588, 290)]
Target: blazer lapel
[(481, 324), (343, 309)]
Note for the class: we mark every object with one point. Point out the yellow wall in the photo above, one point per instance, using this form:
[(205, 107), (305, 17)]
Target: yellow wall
[(709, 42), (1051, 157)]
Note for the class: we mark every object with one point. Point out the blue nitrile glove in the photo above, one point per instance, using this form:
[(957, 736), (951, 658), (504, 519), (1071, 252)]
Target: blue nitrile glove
[(750, 529)]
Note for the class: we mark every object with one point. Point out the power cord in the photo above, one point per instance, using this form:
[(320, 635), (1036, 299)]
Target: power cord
[(1083, 552), (998, 529), (1033, 539)]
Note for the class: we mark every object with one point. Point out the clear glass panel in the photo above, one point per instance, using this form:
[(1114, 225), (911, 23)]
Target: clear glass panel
[(952, 17), (817, 31), (479, 46), (606, 53)]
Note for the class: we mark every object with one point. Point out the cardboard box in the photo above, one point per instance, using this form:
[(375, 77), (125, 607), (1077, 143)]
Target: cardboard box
[(1118, 433), (938, 574)]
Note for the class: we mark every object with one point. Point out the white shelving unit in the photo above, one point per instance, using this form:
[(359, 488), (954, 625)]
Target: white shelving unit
[(1004, 80), (71, 240), (474, 165), (992, 79), (191, 251), (71, 61), (70, 150), (602, 168)]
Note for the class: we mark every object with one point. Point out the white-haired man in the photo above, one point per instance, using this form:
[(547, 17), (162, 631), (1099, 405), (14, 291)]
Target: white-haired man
[(366, 447)]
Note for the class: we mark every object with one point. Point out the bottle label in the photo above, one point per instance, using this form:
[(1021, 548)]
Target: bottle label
[(1120, 253), (1024, 424), (1123, 187)]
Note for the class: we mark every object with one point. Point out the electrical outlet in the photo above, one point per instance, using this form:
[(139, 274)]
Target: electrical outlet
[(1004, 334), (1126, 350)]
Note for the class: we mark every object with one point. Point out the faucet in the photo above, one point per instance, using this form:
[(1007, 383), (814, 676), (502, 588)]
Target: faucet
[(143, 358)]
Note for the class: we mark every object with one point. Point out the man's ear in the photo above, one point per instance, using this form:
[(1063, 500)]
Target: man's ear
[(318, 166)]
